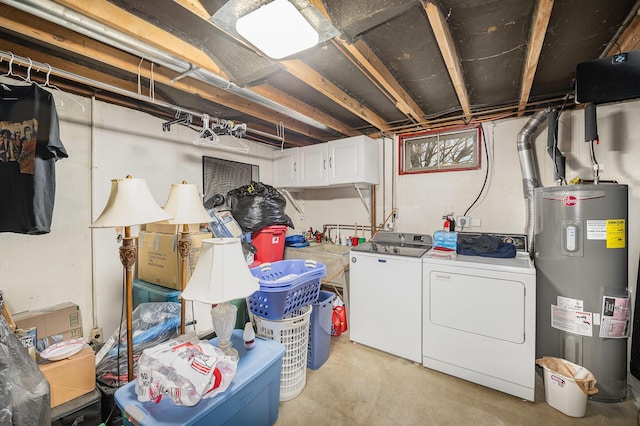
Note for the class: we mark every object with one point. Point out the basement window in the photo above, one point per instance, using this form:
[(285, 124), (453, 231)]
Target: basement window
[(445, 150)]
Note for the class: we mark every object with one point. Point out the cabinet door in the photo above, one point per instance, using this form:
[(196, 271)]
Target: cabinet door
[(285, 168), (314, 165), (353, 160)]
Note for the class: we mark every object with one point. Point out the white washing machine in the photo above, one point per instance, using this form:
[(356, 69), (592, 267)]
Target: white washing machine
[(385, 293), (479, 319)]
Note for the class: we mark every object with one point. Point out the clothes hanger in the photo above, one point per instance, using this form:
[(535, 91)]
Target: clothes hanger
[(47, 84), (210, 139), (9, 72)]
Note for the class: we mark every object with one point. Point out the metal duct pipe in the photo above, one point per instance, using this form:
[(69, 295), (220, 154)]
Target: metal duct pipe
[(72, 20), (530, 175)]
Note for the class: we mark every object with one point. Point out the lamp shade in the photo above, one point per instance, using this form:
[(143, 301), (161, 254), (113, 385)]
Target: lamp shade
[(130, 203), (221, 273), (185, 206)]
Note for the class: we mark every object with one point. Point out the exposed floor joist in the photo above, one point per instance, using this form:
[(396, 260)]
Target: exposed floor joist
[(380, 74), (541, 17), (449, 54), (47, 32), (297, 105), (115, 17), (311, 77), (629, 39)]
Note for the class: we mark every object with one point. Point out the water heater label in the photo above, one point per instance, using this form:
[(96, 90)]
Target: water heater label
[(615, 317), (572, 321), (596, 229), (616, 233), (568, 303)]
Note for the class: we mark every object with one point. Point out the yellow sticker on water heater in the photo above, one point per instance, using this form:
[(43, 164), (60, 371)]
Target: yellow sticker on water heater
[(615, 233)]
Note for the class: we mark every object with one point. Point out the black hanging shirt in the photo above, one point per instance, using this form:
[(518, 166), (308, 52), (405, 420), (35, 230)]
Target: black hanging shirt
[(30, 145)]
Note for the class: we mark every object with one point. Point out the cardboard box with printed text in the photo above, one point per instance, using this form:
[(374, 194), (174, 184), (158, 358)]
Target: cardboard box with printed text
[(159, 260)]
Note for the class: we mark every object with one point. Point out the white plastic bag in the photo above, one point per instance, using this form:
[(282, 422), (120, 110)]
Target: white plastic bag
[(184, 369)]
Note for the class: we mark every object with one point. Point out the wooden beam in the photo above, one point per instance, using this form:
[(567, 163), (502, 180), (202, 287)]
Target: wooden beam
[(541, 16), (279, 97), (375, 67), (449, 54), (112, 16), (360, 51), (195, 7), (629, 40), (70, 41), (313, 78), (303, 108)]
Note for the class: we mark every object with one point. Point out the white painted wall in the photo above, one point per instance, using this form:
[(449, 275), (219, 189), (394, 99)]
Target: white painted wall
[(422, 199), (73, 263)]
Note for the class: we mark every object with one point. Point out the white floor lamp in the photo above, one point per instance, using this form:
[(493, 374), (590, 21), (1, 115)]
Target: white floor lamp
[(130, 203)]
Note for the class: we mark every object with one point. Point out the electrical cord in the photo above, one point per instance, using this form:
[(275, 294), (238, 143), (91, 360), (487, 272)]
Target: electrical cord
[(486, 174)]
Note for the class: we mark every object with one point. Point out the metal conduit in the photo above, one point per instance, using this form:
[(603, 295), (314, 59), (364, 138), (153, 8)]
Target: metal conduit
[(67, 18)]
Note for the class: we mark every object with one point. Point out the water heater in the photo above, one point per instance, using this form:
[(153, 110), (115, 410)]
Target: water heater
[(581, 257)]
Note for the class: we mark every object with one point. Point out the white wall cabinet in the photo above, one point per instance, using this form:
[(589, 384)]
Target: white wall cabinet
[(348, 161), (285, 168), (314, 165)]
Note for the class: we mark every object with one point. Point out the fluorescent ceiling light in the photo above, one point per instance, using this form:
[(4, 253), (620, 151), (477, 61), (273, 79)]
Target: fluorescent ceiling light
[(278, 29)]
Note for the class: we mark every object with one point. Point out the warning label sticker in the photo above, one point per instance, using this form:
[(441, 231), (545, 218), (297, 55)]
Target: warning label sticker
[(571, 320), (615, 233), (596, 230)]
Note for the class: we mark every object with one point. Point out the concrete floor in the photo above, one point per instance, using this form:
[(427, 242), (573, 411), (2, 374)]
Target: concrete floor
[(362, 386)]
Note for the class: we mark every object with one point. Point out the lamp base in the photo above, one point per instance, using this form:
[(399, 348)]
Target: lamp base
[(223, 317)]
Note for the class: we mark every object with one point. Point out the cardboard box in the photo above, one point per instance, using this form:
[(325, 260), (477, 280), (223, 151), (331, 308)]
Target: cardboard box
[(71, 377), (53, 324), (159, 261), (165, 228), (28, 339)]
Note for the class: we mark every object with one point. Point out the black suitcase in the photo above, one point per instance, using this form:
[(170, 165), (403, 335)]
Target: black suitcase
[(84, 410)]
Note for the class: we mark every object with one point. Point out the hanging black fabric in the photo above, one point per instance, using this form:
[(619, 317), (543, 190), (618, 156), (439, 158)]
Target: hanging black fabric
[(30, 145)]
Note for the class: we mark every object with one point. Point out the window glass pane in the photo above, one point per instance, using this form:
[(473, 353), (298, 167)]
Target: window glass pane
[(455, 149)]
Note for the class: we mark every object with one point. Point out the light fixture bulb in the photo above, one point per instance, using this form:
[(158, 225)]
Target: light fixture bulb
[(278, 29)]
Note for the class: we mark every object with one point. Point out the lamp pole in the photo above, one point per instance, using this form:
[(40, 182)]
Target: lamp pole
[(184, 247), (128, 255)]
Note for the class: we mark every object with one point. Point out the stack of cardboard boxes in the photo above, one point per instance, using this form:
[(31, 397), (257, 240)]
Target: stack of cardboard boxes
[(68, 378)]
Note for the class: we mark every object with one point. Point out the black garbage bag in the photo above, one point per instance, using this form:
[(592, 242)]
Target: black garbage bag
[(256, 206)]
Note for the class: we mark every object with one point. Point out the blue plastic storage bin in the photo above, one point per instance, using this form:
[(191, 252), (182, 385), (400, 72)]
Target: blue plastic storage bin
[(320, 330), (285, 286), (145, 292), (252, 398)]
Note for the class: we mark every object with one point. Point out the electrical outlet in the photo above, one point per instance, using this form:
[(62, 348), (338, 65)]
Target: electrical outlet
[(475, 223), (96, 334), (463, 222)]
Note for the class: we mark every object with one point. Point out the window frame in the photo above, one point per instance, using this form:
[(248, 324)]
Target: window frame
[(408, 139)]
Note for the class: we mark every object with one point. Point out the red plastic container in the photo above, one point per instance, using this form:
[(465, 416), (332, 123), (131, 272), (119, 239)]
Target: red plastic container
[(270, 243)]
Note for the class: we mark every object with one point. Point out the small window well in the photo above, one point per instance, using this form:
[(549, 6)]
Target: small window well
[(442, 150)]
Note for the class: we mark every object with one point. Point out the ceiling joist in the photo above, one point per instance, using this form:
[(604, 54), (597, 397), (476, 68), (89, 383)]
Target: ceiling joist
[(449, 54), (311, 77), (541, 17), (115, 17)]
